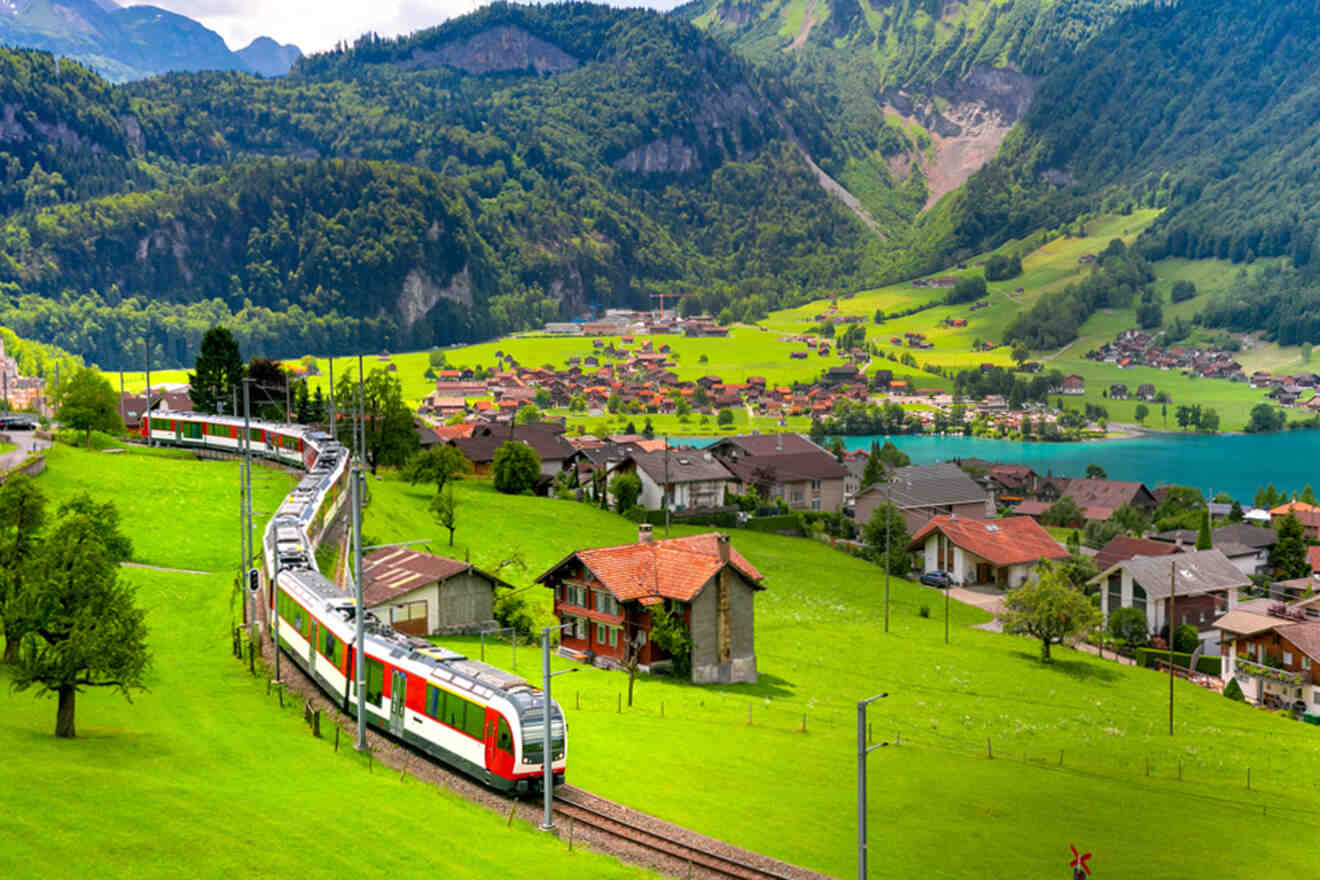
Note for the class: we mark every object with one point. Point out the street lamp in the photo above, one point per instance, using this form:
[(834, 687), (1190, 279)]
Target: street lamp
[(862, 752), (547, 753)]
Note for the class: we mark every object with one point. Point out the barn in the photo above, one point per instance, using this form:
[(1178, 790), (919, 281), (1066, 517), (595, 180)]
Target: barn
[(423, 594)]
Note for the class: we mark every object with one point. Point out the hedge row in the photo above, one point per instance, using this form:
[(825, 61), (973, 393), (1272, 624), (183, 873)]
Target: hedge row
[(725, 519), (1150, 658), (787, 522)]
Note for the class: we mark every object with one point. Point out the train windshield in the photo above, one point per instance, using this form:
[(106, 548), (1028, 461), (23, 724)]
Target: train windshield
[(532, 715)]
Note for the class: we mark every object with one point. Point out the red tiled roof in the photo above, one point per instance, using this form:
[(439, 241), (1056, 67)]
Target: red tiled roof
[(676, 568), (1009, 541), (1313, 554), (1307, 514)]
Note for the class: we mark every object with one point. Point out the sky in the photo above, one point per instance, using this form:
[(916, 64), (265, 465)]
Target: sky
[(316, 25)]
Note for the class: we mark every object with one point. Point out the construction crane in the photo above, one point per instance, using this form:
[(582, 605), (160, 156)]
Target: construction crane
[(661, 297)]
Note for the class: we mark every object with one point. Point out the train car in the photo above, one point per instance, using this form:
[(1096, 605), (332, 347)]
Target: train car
[(474, 717)]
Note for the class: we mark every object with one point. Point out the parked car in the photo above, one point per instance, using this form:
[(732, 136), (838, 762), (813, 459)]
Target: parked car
[(936, 579), (15, 423)]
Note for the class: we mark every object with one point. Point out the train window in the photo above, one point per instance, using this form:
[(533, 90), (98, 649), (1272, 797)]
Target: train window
[(375, 681), (453, 711), (476, 721), (331, 647), (504, 738), (434, 699)]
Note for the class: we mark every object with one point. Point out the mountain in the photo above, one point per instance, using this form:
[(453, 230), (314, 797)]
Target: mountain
[(518, 165), (269, 58), (128, 43)]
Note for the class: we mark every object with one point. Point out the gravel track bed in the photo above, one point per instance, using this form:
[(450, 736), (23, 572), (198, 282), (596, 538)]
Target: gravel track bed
[(392, 756)]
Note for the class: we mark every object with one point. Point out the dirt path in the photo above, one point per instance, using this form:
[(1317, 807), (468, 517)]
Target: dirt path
[(159, 568)]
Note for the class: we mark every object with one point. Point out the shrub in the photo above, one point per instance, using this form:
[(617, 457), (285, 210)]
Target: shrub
[(923, 611), (626, 488), (1185, 639), (1128, 625), (1233, 691)]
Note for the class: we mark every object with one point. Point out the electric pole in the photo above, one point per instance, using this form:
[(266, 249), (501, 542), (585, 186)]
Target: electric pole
[(355, 475), (362, 413), (862, 751), (667, 465), (334, 433), (247, 490), (1173, 573), (146, 345), (888, 525)]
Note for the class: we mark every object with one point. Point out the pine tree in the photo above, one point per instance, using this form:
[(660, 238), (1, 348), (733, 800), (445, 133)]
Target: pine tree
[(1288, 558), (1203, 539), (218, 370)]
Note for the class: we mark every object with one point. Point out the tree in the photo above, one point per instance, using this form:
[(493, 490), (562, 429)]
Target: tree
[(1129, 626), (671, 635), (1049, 609), (390, 436), (543, 398), (104, 519), (1203, 539), (725, 418), (1307, 496), (79, 626), (648, 429), (1021, 354), (267, 384), (1095, 472), (874, 472), (1141, 412), (22, 516), (627, 488), (1185, 639), (894, 457), (966, 290), (1288, 557), (817, 432), (439, 464), (1063, 512), (1236, 514), (87, 403), (527, 414), (1182, 291), (445, 510), (217, 372), (887, 522), (515, 468)]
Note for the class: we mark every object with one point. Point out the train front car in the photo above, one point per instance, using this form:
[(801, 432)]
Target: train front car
[(529, 767)]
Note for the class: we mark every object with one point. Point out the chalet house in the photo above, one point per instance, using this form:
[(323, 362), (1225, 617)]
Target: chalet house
[(606, 594), (1247, 546), (1012, 482), (546, 439), (1307, 514), (1205, 584), (696, 479), (787, 466), (425, 595), (1073, 384), (1003, 552), (132, 406), (1098, 499), (923, 492), (1274, 653), (1123, 547), (1146, 392), (841, 373), (1118, 392)]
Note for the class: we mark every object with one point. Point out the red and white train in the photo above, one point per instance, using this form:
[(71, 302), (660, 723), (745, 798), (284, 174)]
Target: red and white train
[(472, 716)]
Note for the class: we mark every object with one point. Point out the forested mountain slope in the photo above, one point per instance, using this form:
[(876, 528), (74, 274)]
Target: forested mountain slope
[(589, 156)]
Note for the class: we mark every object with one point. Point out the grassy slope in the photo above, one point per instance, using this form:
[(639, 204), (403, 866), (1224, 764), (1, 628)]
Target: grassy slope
[(937, 804), (204, 775)]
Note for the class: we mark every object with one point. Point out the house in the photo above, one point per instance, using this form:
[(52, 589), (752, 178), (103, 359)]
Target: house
[(1099, 495), (923, 492), (547, 439), (170, 398), (1073, 384), (606, 596), (787, 466), (1003, 552), (1274, 653), (1307, 514), (1205, 585), (1247, 546), (423, 594), (1123, 547), (696, 479), (1118, 392), (1012, 482)]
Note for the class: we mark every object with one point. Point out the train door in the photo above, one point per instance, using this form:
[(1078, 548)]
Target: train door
[(178, 429), (398, 701), (499, 744), (311, 648)]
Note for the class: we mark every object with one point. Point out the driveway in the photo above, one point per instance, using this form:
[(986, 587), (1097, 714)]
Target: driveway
[(25, 441), (987, 598)]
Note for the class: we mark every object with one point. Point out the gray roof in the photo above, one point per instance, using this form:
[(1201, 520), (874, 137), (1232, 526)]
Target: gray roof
[(1202, 571), (929, 485), (686, 465), (1234, 534)]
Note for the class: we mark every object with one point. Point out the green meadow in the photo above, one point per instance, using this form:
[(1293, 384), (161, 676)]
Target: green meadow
[(734, 761), (204, 775)]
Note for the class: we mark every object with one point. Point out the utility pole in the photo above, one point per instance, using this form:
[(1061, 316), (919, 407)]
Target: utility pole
[(547, 715), (888, 525), (361, 613), (247, 490), (146, 345), (288, 399), (1173, 573), (362, 414), (334, 432), (662, 310), (862, 751)]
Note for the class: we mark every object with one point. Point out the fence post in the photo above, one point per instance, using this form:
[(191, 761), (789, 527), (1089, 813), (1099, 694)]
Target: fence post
[(620, 709), (1060, 757), (989, 752), (749, 714), (316, 724), (513, 806), (337, 737), (1248, 779)]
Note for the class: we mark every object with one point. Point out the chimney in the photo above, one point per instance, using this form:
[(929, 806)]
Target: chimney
[(722, 545), (643, 533)]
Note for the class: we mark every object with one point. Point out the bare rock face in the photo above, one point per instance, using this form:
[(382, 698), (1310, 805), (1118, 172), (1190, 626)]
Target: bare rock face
[(718, 129), (496, 50), (167, 243), (421, 292), (133, 131), (967, 123), (669, 155)]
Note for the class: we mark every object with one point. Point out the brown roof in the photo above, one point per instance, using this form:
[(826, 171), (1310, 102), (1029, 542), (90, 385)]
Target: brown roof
[(1031, 508), (1304, 636), (1105, 493), (675, 568), (815, 465), (1246, 623), (1010, 541), (391, 572), (1125, 547)]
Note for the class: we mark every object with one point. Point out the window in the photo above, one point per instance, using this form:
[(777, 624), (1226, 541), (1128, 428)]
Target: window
[(1306, 662), (606, 603), (614, 637), (1139, 599), (815, 504), (1115, 585), (375, 681), (475, 725), (600, 633), (504, 736), (434, 701), (1287, 658), (453, 710), (331, 647), (815, 484)]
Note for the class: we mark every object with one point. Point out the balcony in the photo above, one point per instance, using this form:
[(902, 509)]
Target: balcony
[(1260, 670)]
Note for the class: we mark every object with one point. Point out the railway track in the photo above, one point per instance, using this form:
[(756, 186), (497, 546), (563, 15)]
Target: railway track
[(701, 858)]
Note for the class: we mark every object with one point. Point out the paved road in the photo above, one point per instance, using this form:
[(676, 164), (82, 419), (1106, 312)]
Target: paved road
[(26, 442), (986, 598)]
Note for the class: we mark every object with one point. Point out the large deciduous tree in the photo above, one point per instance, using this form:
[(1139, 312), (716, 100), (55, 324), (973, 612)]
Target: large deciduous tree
[(887, 529), (87, 403), (22, 514), (390, 435), (79, 626), (1050, 609), (218, 370), (439, 464), (515, 468)]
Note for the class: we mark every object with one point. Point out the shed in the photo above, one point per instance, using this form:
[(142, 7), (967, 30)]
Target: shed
[(423, 594)]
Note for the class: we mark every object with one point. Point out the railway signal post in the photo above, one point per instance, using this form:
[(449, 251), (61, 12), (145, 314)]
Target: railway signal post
[(862, 751), (547, 752)]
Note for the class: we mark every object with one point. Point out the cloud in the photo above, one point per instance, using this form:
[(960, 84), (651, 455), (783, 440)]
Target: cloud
[(317, 25)]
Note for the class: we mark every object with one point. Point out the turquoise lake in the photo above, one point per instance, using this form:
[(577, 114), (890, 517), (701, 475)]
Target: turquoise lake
[(1235, 463)]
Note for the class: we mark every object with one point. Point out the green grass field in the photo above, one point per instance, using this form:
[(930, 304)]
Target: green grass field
[(203, 775), (7, 448), (938, 805)]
